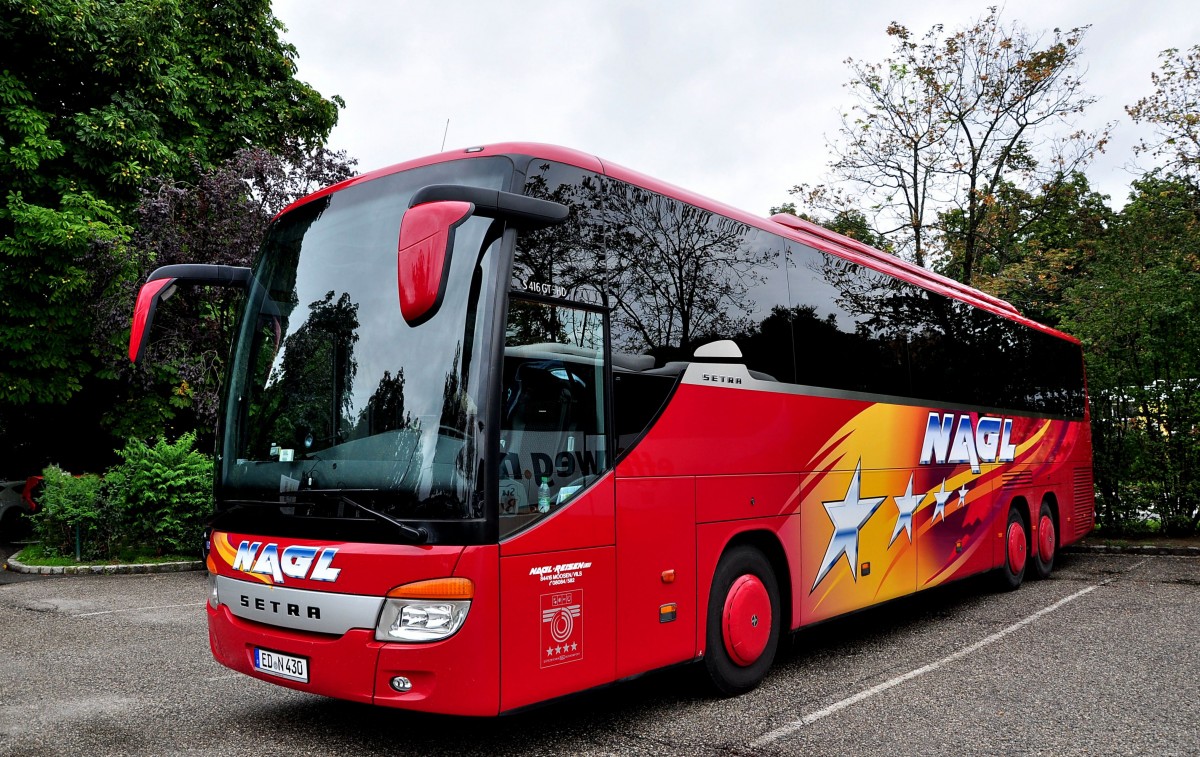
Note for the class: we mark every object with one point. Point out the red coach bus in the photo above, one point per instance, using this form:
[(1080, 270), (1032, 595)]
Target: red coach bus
[(509, 423)]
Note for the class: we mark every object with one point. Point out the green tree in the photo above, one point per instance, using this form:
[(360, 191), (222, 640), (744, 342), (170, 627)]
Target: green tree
[(1171, 111), (1137, 310), (941, 126), (71, 507), (96, 97), (219, 218), (1034, 246)]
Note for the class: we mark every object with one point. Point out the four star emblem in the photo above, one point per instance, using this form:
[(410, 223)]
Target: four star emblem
[(852, 512)]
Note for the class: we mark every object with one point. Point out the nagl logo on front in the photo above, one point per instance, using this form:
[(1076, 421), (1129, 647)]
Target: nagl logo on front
[(313, 563)]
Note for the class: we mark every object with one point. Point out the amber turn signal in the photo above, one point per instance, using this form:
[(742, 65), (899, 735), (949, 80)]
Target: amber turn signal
[(436, 588)]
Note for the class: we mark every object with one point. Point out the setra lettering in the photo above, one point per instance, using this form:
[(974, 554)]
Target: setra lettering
[(280, 608)]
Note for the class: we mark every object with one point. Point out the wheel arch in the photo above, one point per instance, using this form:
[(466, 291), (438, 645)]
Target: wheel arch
[(767, 542), (1051, 499), (1022, 507)]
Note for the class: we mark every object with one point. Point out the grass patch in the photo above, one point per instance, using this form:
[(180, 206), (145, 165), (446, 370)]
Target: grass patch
[(35, 554)]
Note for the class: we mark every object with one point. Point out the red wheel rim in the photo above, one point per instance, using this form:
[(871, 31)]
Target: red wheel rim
[(1016, 547), (746, 621), (1046, 538)]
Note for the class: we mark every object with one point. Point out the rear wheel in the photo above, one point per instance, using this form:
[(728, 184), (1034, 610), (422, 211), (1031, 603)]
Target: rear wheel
[(743, 621), (1016, 551), (1047, 542)]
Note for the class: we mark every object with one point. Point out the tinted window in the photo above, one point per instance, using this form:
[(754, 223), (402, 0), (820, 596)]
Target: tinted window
[(331, 389), (565, 260), (676, 276), (848, 324), (682, 276), (861, 331), (552, 432)]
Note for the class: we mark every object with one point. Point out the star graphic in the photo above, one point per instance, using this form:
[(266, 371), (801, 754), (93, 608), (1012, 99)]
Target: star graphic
[(962, 496), (549, 651), (940, 496), (574, 646), (558, 650), (848, 516), (906, 506)]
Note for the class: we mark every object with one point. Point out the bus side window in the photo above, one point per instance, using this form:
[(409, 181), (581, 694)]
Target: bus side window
[(638, 396), (552, 432)]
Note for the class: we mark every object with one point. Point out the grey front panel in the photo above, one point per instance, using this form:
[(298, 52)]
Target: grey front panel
[(303, 610)]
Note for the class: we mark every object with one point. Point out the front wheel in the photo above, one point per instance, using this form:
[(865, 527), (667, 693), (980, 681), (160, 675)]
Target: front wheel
[(743, 621), (1016, 552)]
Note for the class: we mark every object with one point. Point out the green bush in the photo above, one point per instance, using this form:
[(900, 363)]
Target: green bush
[(66, 502), (163, 494), (1146, 451), (155, 502)]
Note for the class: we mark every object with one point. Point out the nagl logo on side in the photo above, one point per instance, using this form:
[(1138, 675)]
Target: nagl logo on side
[(989, 440)]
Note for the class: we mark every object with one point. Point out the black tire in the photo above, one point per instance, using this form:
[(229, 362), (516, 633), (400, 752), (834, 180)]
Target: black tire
[(1016, 552), (1046, 541), (741, 580)]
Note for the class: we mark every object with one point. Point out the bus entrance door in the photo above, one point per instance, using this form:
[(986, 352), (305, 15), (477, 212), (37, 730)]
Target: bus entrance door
[(558, 602)]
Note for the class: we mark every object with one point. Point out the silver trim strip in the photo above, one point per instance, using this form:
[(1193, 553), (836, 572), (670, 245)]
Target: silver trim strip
[(299, 609), (737, 376)]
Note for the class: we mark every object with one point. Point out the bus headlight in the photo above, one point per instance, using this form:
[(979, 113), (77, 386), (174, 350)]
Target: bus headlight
[(213, 600), (425, 610)]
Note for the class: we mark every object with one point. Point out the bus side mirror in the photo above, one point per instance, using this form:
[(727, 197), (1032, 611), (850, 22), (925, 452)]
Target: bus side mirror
[(423, 256), (162, 284)]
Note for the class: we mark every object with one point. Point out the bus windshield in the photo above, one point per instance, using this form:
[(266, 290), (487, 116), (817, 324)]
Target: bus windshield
[(333, 400)]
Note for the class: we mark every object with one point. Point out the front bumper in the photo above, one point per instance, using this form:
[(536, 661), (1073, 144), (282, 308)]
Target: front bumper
[(458, 676)]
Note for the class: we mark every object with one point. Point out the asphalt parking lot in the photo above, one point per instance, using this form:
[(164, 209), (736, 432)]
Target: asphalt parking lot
[(1100, 659)]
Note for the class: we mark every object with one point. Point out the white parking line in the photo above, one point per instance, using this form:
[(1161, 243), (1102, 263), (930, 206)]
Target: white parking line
[(795, 725), (136, 609)]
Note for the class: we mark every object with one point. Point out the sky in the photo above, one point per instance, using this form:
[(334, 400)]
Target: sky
[(736, 101)]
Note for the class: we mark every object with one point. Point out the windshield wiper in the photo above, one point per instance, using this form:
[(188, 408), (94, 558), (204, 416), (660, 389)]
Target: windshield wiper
[(417, 535), (414, 534)]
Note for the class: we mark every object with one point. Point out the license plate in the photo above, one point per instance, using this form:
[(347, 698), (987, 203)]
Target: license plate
[(282, 665)]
